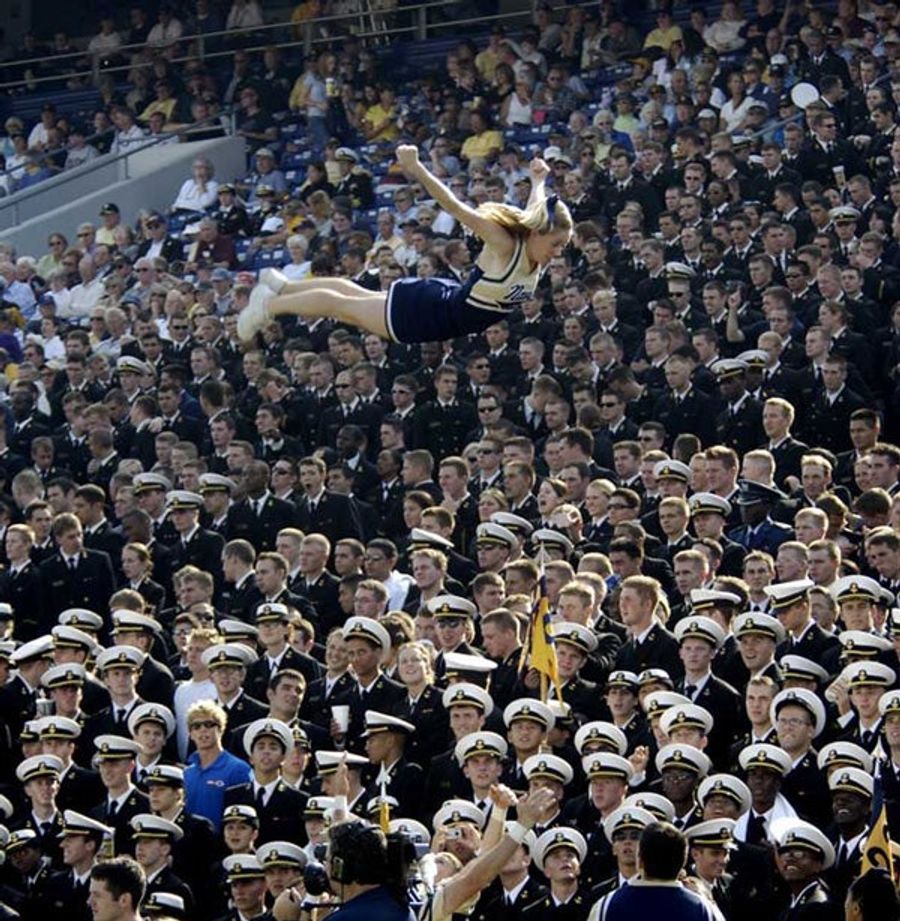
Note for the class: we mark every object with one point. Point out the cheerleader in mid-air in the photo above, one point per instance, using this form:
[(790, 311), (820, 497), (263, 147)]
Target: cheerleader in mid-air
[(518, 245)]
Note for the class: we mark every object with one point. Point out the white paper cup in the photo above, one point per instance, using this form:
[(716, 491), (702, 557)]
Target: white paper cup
[(341, 715)]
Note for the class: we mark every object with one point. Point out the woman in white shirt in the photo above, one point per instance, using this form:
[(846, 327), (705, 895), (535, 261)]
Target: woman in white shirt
[(724, 33), (58, 290), (54, 347), (200, 192), (675, 59), (298, 268), (516, 108), (733, 113)]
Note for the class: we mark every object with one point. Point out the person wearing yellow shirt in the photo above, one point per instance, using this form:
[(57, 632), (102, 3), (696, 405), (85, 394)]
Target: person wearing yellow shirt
[(665, 32), (486, 61), (380, 120), (484, 142), (165, 102), (303, 12)]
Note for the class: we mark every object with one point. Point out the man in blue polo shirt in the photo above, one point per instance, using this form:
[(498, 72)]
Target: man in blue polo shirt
[(210, 769), (656, 892)]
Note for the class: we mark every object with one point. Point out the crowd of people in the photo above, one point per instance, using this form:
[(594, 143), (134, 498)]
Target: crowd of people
[(271, 613)]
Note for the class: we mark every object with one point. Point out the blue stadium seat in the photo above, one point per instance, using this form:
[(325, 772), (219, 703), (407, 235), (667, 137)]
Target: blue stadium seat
[(177, 223), (269, 257), (295, 160), (241, 247)]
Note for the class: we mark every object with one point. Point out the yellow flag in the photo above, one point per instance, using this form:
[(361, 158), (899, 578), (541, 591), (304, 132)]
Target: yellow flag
[(541, 648), (876, 852)]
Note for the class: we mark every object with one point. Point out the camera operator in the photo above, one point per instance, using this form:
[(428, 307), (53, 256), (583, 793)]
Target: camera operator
[(366, 872)]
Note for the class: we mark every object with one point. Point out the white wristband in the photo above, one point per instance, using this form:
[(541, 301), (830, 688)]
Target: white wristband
[(517, 831)]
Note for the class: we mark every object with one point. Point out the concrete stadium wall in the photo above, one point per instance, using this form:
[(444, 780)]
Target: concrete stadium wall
[(153, 179)]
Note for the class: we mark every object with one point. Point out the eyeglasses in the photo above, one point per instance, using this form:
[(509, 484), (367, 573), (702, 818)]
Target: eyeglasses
[(450, 622), (87, 233), (679, 776), (794, 722), (609, 404), (178, 328), (203, 724), (487, 409), (343, 386)]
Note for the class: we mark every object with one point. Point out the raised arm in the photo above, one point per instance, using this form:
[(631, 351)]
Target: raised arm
[(489, 231), (476, 874), (538, 170)]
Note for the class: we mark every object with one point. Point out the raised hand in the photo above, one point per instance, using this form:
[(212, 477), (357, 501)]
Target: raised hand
[(534, 805), (538, 169), (340, 783), (502, 797), (639, 758), (408, 157)]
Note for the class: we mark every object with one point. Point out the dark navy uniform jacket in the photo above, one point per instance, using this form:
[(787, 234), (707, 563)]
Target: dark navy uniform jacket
[(376, 903)]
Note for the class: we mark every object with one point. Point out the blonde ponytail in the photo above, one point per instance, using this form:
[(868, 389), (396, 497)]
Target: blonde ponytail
[(534, 219)]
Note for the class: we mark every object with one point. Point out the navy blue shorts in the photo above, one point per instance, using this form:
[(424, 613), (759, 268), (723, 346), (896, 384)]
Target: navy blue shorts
[(431, 310)]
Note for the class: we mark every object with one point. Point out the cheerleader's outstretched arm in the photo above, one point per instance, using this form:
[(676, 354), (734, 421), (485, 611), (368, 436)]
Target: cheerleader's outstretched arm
[(538, 170), (489, 231)]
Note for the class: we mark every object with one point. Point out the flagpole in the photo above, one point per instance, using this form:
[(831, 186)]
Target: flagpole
[(384, 809), (547, 666), (541, 559)]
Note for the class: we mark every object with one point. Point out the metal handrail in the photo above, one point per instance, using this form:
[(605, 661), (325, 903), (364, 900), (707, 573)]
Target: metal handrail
[(421, 9), (191, 57), (190, 36), (224, 118)]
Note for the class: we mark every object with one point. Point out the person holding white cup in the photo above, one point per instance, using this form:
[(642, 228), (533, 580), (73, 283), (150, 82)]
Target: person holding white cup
[(368, 645)]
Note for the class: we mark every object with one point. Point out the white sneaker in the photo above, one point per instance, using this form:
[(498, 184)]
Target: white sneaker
[(256, 314), (274, 279)]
